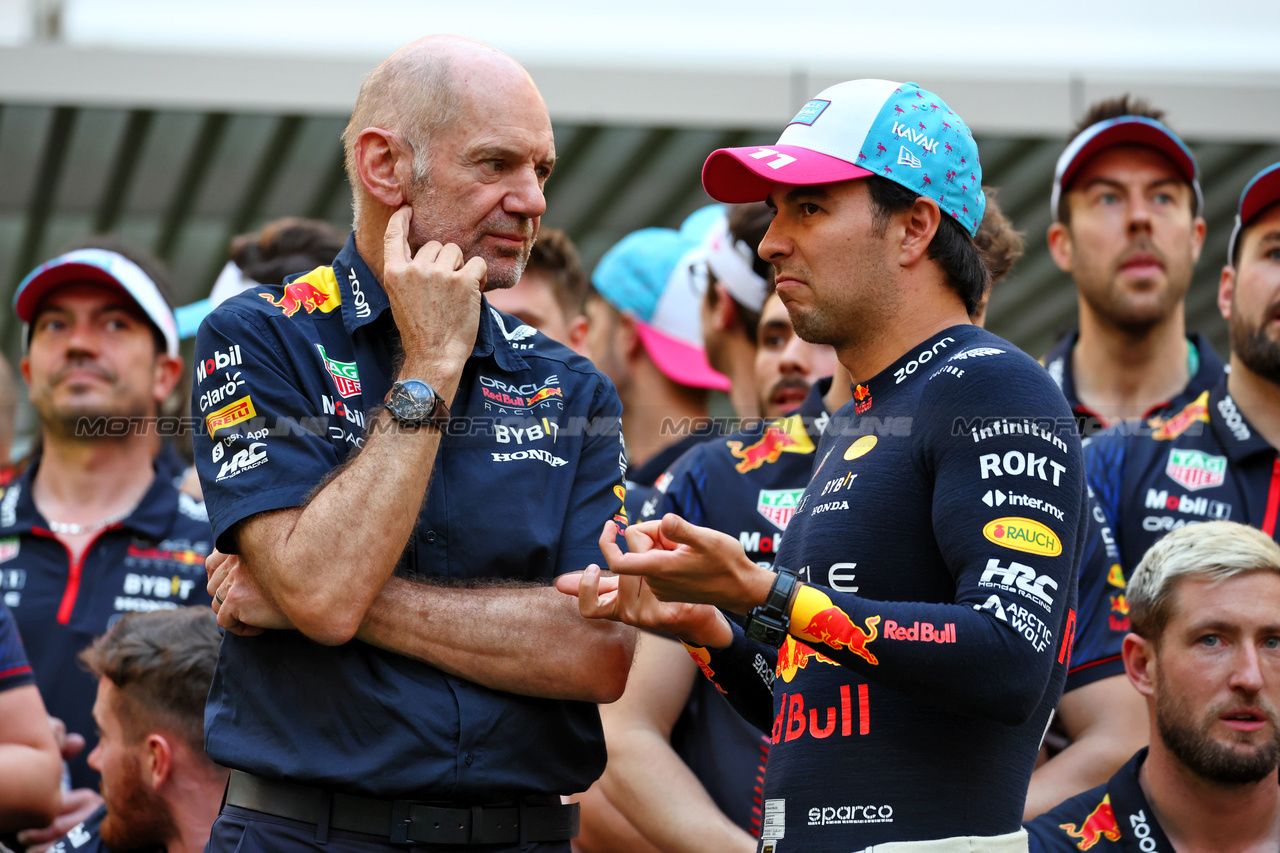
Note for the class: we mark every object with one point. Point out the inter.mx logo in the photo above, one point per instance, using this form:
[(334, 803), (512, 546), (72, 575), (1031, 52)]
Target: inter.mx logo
[(345, 376), (1195, 470)]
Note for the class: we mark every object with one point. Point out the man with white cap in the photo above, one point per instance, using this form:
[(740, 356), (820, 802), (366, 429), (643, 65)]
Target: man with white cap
[(646, 337), (1127, 226), (924, 634), (91, 530)]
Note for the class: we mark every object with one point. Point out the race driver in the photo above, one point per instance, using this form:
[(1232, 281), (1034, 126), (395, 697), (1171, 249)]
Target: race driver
[(925, 635)]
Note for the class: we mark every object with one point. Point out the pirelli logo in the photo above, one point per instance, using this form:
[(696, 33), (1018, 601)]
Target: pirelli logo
[(230, 415)]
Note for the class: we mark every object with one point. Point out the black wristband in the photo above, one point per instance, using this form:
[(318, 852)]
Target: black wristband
[(768, 623)]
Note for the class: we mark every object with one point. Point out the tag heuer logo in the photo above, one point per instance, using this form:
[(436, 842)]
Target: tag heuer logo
[(779, 505), (9, 548), (1194, 470), (344, 374)]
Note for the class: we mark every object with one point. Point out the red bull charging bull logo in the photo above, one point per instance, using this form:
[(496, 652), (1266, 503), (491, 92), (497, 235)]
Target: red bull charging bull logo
[(815, 617), (1100, 824), (702, 658), (786, 435), (315, 291), (794, 656)]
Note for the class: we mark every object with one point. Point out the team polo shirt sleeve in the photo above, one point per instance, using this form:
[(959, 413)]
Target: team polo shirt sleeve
[(14, 669), (262, 442), (1103, 611)]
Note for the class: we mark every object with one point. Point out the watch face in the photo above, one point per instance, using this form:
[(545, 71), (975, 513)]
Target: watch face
[(412, 400)]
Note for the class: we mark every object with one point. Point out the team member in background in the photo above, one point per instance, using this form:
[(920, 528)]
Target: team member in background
[(923, 633), (30, 766), (95, 528), (738, 281), (645, 336), (1216, 457), (551, 295), (161, 791), (683, 765), (1127, 226), (1205, 655), (436, 690)]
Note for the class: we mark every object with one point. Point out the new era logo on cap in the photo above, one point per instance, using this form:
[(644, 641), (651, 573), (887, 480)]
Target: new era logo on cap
[(906, 158), (857, 129)]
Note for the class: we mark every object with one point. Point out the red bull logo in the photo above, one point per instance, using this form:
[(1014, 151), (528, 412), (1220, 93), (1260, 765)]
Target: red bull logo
[(315, 291), (620, 517), (767, 450), (792, 722), (1167, 429), (1100, 824), (814, 617), (544, 394), (794, 656), (702, 658), (861, 399), (785, 435), (191, 558)]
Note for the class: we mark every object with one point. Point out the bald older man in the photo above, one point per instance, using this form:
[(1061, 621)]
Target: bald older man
[(398, 669)]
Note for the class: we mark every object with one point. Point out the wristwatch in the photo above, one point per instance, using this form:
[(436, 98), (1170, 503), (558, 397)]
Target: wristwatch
[(413, 403), (768, 623)]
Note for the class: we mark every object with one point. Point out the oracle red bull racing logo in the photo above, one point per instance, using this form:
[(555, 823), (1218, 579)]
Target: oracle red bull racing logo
[(815, 617), (315, 291), (1100, 824)]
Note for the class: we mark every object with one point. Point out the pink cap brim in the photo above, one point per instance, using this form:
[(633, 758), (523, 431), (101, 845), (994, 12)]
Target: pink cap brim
[(742, 175), (680, 362)]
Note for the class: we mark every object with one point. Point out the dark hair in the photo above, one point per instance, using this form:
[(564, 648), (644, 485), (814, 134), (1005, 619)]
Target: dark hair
[(1000, 244), (1122, 105), (555, 256), (748, 223), (284, 247), (147, 262), (951, 247), (162, 663)]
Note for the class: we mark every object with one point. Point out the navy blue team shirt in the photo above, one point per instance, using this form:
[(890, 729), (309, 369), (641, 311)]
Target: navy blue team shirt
[(1204, 462), (930, 643), (14, 669), (152, 560), (747, 485), (1208, 371), (1114, 817), (527, 473)]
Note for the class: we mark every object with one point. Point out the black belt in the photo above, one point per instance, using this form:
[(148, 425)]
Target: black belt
[(403, 821)]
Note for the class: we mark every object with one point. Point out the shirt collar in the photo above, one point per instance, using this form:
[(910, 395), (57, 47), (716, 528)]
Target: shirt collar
[(499, 334), (1058, 362), (1231, 429), (363, 299), (151, 517), (1130, 809)]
